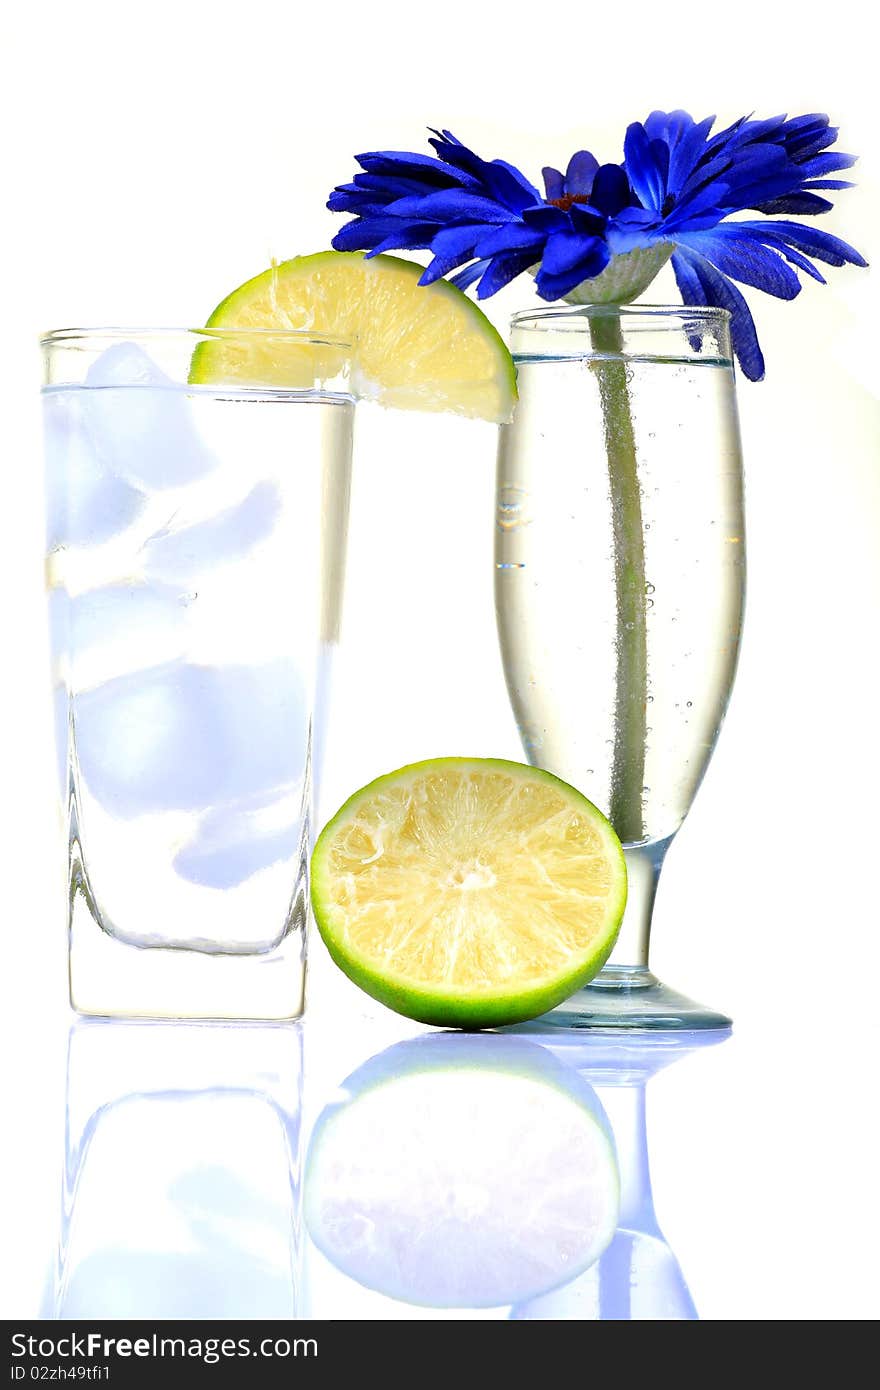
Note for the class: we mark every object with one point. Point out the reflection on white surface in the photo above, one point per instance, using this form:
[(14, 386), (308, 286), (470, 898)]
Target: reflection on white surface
[(500, 1176), (459, 1172), (478, 1175), (181, 1190), (638, 1277)]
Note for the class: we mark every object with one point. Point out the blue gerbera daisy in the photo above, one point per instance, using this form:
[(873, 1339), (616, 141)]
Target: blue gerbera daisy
[(600, 233)]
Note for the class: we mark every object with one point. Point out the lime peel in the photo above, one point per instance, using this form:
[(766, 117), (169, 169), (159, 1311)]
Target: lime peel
[(416, 347), (468, 891)]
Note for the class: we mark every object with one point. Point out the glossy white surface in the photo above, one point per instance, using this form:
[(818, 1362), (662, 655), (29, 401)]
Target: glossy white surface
[(467, 1177), (141, 192)]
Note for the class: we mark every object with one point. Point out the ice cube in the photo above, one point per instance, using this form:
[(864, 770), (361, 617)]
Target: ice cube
[(123, 627), (233, 843), (140, 421), (86, 503), (188, 551), (185, 737)]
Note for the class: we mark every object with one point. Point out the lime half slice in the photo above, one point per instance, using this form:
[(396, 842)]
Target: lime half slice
[(469, 891), (415, 347)]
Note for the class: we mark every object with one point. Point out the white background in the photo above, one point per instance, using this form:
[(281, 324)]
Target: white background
[(156, 156)]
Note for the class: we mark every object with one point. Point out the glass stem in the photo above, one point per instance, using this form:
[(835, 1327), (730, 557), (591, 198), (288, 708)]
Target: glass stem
[(630, 954), (630, 714), (625, 1107)]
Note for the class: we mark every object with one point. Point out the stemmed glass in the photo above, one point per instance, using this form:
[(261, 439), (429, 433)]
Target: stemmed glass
[(619, 586)]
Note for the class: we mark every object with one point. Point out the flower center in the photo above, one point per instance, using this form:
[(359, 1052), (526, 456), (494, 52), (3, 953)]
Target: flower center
[(568, 201)]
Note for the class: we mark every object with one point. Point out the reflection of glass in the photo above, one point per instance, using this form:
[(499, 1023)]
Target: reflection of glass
[(619, 578), (637, 1278), (196, 541), (181, 1181), (456, 1172)]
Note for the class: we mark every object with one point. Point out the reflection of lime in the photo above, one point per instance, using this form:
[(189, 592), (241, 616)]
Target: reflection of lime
[(418, 347), (469, 891), (462, 1172)]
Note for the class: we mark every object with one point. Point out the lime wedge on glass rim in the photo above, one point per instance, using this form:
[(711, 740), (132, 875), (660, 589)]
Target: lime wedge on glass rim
[(415, 347), (469, 892)]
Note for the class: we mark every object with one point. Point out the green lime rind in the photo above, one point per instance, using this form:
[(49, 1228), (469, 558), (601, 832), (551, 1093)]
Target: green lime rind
[(453, 1006)]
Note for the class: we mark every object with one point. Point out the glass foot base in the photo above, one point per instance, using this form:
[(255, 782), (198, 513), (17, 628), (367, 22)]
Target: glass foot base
[(622, 997)]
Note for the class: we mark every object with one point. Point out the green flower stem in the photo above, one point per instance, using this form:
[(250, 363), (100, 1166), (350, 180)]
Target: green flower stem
[(631, 697)]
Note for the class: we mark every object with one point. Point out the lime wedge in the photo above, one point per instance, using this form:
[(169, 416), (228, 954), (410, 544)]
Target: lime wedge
[(469, 891), (415, 347)]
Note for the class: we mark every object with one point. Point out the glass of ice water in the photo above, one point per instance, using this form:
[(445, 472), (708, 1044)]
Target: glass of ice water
[(195, 555)]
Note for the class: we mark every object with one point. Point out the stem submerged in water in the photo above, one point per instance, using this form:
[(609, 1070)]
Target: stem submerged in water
[(631, 697)]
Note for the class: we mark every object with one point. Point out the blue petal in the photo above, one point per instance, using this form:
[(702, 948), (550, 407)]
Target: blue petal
[(640, 166), (763, 232), (686, 152), (554, 182), (416, 239), (744, 260), (368, 232), (634, 227), (715, 289), (465, 278), (511, 237), (689, 283), (610, 190), (530, 193), (705, 174), (546, 218), (669, 126), (452, 205), (499, 179), (422, 167), (827, 164), (557, 286), (582, 169), (392, 186), (502, 269), (818, 244), (451, 246), (362, 203), (586, 220), (703, 208), (565, 250), (804, 204)]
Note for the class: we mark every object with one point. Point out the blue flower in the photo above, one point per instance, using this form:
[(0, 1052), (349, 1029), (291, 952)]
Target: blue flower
[(485, 223), (686, 182), (484, 215), (465, 209)]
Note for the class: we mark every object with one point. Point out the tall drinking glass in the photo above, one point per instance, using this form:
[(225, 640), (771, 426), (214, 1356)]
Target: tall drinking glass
[(619, 585), (197, 495)]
